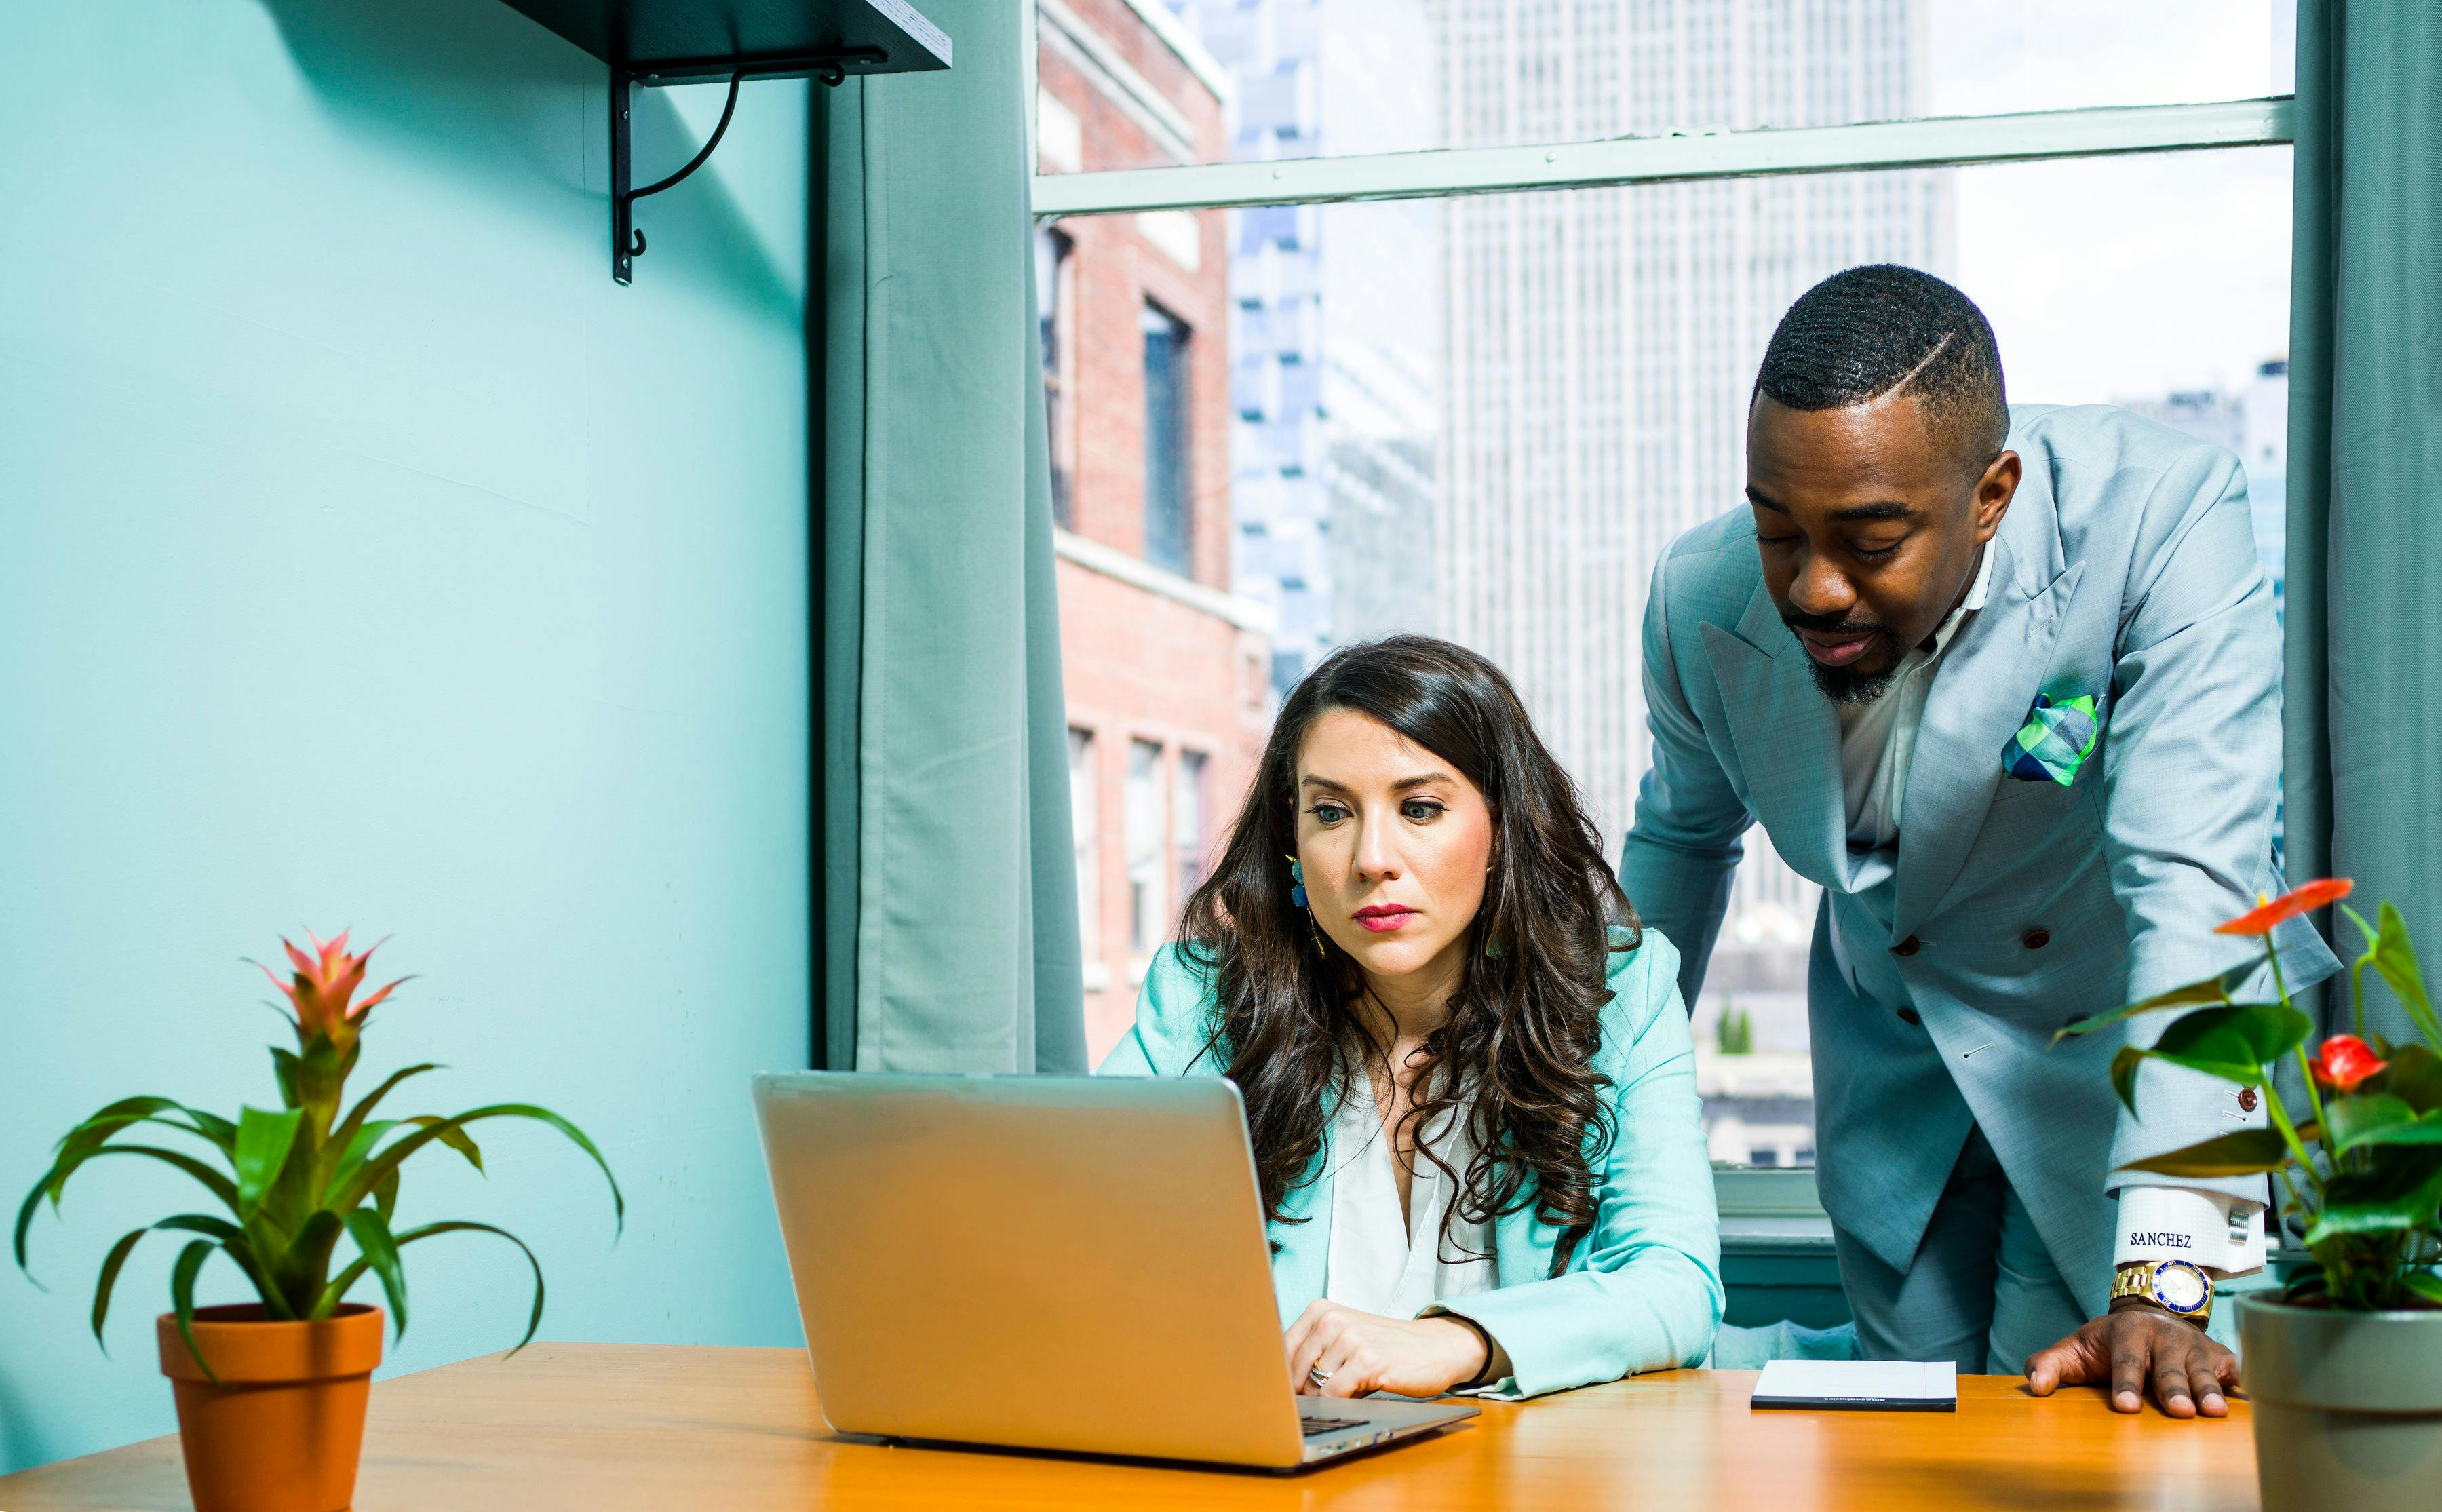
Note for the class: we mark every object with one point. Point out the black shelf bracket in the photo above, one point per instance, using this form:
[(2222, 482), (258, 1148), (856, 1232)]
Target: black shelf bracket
[(627, 241)]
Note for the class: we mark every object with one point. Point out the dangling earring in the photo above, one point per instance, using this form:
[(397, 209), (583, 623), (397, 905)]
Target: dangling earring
[(1297, 897)]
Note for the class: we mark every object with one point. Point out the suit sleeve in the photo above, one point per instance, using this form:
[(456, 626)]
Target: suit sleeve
[(1645, 1293), (2191, 772), (1172, 1034), (1684, 845)]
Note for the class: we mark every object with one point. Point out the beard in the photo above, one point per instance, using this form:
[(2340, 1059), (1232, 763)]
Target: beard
[(1845, 684)]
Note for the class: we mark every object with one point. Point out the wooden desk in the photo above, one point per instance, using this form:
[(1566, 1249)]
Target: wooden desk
[(604, 1428)]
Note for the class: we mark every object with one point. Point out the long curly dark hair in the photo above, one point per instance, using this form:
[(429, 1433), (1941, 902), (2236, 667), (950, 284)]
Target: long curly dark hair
[(1525, 1021)]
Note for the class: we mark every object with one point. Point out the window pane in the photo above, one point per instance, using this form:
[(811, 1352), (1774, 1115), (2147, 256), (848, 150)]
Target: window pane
[(1084, 820), (1187, 833), (1146, 906), (1483, 418), (1168, 516), (1054, 294), (1138, 84)]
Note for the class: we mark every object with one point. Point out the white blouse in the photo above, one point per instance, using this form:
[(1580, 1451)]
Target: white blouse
[(1379, 1264)]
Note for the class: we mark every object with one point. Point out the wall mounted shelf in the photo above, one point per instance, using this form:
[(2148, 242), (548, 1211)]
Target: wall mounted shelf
[(655, 43)]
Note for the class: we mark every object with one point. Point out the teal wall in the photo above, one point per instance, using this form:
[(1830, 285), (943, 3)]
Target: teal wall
[(368, 559)]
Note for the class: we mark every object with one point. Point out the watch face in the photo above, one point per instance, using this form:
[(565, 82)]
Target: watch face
[(2181, 1287)]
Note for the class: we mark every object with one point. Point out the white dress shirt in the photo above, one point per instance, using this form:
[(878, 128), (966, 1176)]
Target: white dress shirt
[(1379, 1262), (2216, 1232)]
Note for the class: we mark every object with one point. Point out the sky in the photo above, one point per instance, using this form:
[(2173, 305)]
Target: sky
[(2121, 278)]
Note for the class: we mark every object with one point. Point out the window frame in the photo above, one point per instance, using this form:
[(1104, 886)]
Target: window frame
[(1782, 1201)]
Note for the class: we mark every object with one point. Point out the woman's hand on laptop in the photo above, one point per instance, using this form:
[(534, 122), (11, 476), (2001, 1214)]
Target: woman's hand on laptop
[(1336, 1350)]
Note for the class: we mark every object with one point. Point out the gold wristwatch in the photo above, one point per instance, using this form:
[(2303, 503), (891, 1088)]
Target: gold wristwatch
[(2175, 1286)]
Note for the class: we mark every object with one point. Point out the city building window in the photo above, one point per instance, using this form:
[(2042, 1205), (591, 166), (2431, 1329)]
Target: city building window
[(1168, 516), (1188, 834), (1054, 273), (1147, 908), (1085, 827), (1484, 415)]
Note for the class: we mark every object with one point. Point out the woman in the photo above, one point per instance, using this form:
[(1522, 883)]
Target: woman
[(1466, 1071)]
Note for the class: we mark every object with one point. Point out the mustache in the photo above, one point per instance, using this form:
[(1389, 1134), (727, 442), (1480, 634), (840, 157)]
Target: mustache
[(1831, 623)]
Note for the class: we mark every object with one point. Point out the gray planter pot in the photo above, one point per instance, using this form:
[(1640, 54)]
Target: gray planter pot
[(2347, 1407)]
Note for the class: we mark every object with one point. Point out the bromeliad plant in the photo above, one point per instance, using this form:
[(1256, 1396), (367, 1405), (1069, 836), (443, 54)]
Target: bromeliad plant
[(292, 1182), (2369, 1153)]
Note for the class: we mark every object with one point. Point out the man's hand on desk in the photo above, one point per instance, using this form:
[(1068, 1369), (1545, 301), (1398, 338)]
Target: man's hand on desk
[(2132, 1346), (1336, 1350)]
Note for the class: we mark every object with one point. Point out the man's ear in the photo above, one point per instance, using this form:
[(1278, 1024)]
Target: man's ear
[(1994, 491)]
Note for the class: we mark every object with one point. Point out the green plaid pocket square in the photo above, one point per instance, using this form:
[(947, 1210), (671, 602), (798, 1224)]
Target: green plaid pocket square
[(2054, 742)]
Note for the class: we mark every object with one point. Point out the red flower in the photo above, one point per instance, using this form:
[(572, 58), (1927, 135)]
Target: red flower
[(2345, 1061), (2314, 895), (325, 982)]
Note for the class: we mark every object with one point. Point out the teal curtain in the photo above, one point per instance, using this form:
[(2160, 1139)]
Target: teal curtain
[(950, 898), (2364, 615)]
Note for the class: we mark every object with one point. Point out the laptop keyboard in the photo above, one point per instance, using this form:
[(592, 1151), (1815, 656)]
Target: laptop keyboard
[(1315, 1427)]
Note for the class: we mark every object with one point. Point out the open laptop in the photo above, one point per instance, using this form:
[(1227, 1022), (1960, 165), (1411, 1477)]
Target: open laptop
[(1048, 1262)]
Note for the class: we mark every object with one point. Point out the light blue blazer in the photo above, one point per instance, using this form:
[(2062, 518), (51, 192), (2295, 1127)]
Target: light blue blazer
[(1642, 1291), (2126, 570)]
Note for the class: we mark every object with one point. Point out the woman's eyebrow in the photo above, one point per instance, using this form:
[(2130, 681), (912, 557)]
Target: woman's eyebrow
[(1404, 784)]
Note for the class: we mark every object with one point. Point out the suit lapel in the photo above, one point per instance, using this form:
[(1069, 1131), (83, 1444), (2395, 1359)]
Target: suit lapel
[(1298, 1264), (1980, 695), (1787, 740)]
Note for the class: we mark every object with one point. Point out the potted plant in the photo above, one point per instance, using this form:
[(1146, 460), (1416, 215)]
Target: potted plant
[(2342, 1366), (271, 1394)]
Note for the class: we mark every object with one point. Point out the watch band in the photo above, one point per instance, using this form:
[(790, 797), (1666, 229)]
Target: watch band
[(2175, 1286)]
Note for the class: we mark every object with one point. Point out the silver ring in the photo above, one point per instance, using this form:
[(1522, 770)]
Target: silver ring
[(1317, 1375)]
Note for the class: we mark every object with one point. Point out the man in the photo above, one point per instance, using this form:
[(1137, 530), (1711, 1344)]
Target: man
[(2006, 685)]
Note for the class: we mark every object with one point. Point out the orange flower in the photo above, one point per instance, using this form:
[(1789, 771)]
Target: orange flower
[(325, 984), (2261, 919), (2343, 1061)]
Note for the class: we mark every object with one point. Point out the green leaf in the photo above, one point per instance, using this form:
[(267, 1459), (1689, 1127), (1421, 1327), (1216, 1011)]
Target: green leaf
[(534, 1318), (344, 1136), (263, 1140), (457, 1139), (2415, 1075), (380, 1250), (2249, 1034), (109, 1120), (2233, 1043), (2350, 1120), (360, 1150), (2212, 990), (346, 1197), (2425, 1283), (2426, 1130), (220, 1228), (55, 1182), (110, 1266), (2398, 1196), (337, 1289), (2396, 959), (2239, 1152), (182, 1298), (2124, 1066), (284, 1067), (385, 1196)]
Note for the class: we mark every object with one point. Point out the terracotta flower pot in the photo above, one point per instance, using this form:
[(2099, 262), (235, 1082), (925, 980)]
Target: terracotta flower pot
[(282, 1429)]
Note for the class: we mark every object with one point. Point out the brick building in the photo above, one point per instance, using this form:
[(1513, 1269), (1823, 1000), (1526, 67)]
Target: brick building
[(1167, 671)]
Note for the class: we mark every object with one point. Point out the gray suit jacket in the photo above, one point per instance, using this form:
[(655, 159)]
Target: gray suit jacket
[(2125, 569)]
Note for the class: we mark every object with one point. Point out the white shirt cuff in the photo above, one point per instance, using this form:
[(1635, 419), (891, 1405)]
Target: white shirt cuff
[(2219, 1234)]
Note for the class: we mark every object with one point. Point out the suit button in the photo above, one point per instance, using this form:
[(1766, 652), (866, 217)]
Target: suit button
[(1910, 1016), (1905, 947), (2036, 938), (2247, 1100)]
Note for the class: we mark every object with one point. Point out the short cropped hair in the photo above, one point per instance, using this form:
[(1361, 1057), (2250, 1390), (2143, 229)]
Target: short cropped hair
[(1859, 335)]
